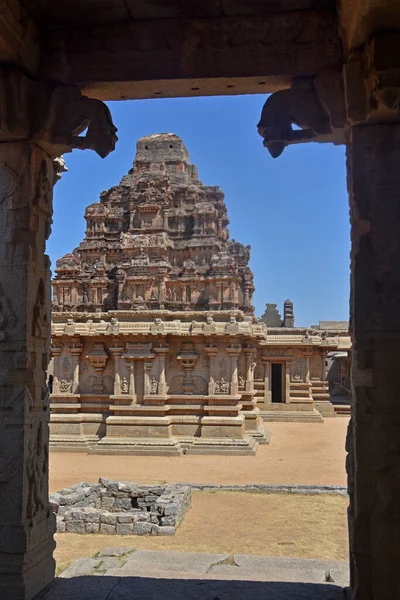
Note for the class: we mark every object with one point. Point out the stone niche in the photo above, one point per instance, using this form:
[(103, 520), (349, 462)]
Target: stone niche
[(120, 508)]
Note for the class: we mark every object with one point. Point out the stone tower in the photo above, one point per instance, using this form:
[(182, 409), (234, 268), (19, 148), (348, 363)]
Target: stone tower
[(158, 240)]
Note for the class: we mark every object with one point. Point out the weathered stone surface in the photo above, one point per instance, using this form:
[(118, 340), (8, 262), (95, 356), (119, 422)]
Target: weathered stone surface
[(142, 528), (223, 52), (114, 551), (92, 527), (166, 530), (123, 520), (107, 529), (124, 528), (373, 439), (75, 526)]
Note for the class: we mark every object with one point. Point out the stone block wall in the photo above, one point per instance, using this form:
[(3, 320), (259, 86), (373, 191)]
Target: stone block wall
[(117, 508)]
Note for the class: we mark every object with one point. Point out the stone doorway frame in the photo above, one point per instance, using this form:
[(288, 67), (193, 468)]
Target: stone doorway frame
[(44, 121)]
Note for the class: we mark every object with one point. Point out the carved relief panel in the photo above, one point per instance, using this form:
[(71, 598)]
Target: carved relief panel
[(298, 370)]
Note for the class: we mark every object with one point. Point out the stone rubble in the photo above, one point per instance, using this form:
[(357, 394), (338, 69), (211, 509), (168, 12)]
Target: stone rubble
[(120, 508)]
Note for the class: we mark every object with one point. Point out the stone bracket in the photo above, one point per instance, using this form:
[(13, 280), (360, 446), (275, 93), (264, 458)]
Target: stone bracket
[(52, 115)]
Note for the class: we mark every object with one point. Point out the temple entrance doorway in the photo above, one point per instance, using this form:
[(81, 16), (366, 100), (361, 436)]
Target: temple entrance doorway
[(276, 382)]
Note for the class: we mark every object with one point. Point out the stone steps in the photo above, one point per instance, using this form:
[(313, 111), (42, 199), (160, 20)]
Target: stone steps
[(295, 416), (343, 410)]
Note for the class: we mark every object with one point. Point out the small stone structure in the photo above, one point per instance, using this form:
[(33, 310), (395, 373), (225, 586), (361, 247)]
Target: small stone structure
[(120, 508)]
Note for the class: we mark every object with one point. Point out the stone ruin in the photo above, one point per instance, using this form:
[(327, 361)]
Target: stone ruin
[(120, 508)]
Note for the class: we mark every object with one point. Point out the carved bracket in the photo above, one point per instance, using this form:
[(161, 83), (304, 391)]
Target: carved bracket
[(52, 115), (314, 104)]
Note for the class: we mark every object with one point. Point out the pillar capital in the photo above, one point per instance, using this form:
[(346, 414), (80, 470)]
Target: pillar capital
[(75, 348), (52, 115), (56, 349), (211, 349), (116, 349), (372, 80), (161, 349), (233, 349)]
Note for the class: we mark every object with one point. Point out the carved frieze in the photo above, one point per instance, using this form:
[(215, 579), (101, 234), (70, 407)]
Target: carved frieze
[(221, 386), (98, 357), (124, 385), (65, 386), (69, 328), (297, 371), (113, 326), (199, 385), (138, 350), (233, 326), (157, 328)]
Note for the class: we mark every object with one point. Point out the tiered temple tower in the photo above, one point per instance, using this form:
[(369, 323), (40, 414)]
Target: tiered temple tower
[(158, 240)]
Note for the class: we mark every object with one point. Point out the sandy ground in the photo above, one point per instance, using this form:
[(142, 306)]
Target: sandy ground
[(299, 453), (238, 523)]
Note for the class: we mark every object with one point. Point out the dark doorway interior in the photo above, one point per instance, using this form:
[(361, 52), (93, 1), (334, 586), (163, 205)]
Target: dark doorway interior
[(276, 382)]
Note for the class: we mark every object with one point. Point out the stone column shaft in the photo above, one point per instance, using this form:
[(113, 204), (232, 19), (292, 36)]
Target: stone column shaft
[(132, 390), (249, 371), (56, 352), (307, 366), (117, 374), (147, 369), (267, 381), (26, 521), (117, 353), (162, 383), (373, 443), (323, 366), (234, 375), (211, 353), (75, 353), (288, 366)]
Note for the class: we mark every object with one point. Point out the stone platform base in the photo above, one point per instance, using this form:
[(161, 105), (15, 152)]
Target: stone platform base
[(163, 446), (295, 416), (261, 435), (325, 407)]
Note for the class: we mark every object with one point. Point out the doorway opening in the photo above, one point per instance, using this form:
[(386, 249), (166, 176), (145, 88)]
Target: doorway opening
[(276, 382)]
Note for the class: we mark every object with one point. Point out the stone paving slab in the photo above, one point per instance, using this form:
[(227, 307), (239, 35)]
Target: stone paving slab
[(164, 575)]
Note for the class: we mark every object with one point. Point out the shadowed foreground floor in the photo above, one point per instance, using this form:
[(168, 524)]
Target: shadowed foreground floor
[(130, 588), (114, 574)]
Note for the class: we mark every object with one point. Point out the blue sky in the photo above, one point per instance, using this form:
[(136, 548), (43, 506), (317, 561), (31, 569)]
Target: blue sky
[(292, 210)]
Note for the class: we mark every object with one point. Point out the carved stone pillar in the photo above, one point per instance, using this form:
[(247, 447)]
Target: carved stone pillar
[(373, 442), (211, 351), (162, 383), (75, 350), (56, 350), (26, 523), (250, 355), (117, 351), (288, 367), (132, 389), (234, 351), (267, 381), (147, 371), (307, 368), (48, 118), (323, 365)]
